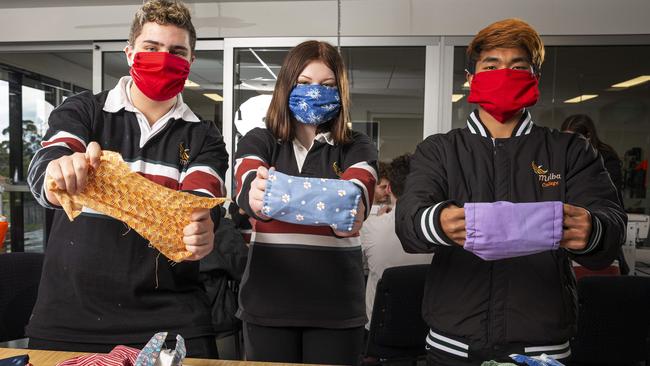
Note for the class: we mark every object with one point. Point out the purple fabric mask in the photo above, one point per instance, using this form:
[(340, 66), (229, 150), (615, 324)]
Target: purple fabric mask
[(502, 230)]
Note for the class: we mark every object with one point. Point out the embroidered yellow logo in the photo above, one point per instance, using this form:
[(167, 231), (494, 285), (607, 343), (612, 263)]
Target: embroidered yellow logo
[(184, 154), (337, 170), (538, 169), (545, 178)]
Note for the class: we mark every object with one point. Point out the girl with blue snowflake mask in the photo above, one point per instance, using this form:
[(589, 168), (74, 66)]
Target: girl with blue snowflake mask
[(302, 297)]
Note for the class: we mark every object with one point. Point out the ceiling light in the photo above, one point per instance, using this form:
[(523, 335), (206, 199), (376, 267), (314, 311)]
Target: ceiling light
[(581, 98), (190, 84), (214, 96), (466, 85), (456, 97), (275, 77), (632, 82)]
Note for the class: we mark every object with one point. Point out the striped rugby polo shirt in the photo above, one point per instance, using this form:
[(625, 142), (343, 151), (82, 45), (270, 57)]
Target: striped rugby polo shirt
[(300, 275), (103, 283)]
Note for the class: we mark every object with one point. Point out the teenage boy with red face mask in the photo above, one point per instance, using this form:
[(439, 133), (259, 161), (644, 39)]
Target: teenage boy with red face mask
[(501, 281), (102, 284)]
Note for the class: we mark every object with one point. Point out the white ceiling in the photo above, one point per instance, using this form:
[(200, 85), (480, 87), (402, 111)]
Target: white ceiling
[(5, 4)]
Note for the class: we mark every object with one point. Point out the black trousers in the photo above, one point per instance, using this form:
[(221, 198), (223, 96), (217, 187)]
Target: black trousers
[(203, 347), (303, 345)]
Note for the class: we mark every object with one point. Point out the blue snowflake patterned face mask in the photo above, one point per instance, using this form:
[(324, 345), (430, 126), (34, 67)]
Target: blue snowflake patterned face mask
[(314, 104)]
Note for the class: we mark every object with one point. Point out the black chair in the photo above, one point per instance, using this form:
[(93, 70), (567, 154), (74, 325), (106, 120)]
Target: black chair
[(20, 274), (397, 330), (613, 321)]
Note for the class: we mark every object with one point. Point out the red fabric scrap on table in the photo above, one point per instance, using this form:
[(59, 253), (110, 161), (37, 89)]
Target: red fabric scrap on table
[(119, 356)]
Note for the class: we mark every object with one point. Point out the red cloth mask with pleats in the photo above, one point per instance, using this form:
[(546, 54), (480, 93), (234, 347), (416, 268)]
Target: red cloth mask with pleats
[(159, 75), (502, 93)]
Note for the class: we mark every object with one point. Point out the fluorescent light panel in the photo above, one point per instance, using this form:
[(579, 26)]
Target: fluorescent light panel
[(214, 96), (581, 98), (456, 97), (632, 82), (190, 84)]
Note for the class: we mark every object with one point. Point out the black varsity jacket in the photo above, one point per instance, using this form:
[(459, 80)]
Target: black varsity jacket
[(482, 310)]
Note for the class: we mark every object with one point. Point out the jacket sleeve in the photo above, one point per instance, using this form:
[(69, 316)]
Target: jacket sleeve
[(206, 171), (614, 166), (69, 132), (360, 168), (253, 150), (588, 185), (417, 216)]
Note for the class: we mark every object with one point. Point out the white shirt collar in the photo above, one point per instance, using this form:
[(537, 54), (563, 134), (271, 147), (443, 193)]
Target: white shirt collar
[(118, 98), (325, 137)]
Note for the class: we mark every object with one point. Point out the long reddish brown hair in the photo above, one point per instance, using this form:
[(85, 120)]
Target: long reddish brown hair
[(278, 117)]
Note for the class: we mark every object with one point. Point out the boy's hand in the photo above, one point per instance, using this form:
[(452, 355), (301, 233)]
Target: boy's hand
[(577, 228), (452, 220), (70, 172), (198, 235)]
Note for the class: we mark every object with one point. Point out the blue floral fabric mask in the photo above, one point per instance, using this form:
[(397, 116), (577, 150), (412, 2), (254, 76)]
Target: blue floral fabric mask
[(314, 104), (311, 201), (153, 353)]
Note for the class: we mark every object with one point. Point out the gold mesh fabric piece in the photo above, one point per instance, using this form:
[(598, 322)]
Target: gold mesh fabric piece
[(156, 212)]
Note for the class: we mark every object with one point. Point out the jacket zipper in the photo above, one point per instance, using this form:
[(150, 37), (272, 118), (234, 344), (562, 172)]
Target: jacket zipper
[(490, 310)]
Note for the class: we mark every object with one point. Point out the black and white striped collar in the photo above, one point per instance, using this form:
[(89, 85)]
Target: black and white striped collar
[(476, 126)]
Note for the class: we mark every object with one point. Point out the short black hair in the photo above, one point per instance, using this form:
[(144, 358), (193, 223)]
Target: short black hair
[(399, 169)]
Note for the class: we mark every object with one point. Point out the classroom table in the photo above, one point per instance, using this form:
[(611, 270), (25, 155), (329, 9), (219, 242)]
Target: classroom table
[(51, 358)]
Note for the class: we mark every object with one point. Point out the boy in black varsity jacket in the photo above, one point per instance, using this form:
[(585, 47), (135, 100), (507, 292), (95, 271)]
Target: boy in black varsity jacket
[(488, 307), (102, 285)]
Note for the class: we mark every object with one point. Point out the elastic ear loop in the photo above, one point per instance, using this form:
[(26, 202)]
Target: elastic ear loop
[(467, 72), (129, 62)]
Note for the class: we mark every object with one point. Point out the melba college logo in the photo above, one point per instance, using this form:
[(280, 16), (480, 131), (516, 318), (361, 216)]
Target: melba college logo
[(546, 179)]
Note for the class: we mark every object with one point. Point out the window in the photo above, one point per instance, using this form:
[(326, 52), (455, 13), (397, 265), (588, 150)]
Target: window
[(31, 86), (386, 91)]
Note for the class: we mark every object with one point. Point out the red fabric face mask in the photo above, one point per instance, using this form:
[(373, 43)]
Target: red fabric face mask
[(503, 93), (159, 75)]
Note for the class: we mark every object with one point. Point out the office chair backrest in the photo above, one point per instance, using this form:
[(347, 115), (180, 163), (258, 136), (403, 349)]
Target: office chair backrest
[(613, 320), (397, 328), (20, 274)]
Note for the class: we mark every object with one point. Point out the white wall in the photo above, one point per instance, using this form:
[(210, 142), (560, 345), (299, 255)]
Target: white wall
[(318, 18)]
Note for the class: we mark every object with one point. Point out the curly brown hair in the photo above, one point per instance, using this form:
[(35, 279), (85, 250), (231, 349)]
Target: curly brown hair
[(507, 33), (397, 172), (382, 171), (163, 12)]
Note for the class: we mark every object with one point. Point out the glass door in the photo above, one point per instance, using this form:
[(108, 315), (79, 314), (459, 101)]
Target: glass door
[(32, 84)]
